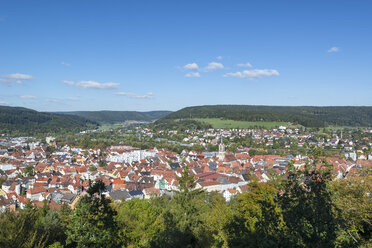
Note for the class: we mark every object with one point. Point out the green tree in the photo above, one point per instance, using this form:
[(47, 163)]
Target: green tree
[(56, 245), (140, 224), (225, 224), (29, 171), (92, 221), (352, 197), (262, 215), (19, 230), (49, 223), (308, 209), (184, 218)]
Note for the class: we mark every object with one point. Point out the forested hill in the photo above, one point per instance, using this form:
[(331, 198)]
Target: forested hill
[(23, 121), (119, 116), (306, 116)]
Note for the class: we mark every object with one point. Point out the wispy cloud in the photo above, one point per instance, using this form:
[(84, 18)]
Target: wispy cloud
[(16, 78), (134, 95), (19, 76), (253, 73), (92, 85), (219, 57), (333, 50), (192, 66), (62, 99), (3, 103), (212, 66), (68, 82), (97, 85), (245, 65), (27, 97), (192, 74), (65, 64)]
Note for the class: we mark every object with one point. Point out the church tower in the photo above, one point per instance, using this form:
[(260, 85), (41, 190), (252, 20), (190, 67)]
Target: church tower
[(221, 150)]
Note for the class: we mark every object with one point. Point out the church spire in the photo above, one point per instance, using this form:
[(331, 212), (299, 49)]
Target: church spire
[(221, 150)]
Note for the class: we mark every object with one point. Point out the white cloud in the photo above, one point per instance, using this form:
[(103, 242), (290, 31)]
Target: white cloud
[(245, 65), (3, 103), (65, 64), (53, 100), (15, 78), (92, 84), (192, 66), (68, 82), (333, 50), (212, 66), (27, 97), (133, 95), (192, 74), (96, 85), (61, 99), (219, 57), (253, 73), (18, 76)]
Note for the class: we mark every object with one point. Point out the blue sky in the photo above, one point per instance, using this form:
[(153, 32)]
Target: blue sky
[(165, 55)]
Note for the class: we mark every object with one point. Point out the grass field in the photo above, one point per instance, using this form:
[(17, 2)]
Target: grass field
[(106, 127), (336, 128), (227, 124)]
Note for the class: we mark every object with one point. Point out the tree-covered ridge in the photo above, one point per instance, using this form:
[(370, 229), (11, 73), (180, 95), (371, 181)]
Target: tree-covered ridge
[(23, 121), (119, 116), (304, 115)]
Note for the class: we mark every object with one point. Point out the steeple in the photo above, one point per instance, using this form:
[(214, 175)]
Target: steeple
[(221, 150)]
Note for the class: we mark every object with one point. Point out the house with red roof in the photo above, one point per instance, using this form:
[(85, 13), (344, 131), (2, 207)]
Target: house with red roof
[(35, 194)]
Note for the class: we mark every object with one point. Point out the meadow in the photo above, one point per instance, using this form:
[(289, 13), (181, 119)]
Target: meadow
[(228, 124)]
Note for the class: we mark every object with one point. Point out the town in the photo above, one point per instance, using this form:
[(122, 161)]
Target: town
[(185, 124), (44, 171)]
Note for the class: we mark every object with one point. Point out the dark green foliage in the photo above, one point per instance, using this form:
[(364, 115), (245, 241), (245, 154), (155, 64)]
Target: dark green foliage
[(30, 228), (92, 222), (29, 171), (112, 117), (23, 121), (140, 224), (306, 209), (353, 197), (184, 218), (262, 215), (306, 116)]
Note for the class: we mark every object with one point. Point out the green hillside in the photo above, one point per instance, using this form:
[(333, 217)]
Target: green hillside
[(228, 124), (304, 115), (23, 121), (119, 116)]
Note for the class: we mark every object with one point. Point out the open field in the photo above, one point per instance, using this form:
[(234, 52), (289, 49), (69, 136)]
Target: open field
[(107, 127), (227, 124), (336, 128)]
